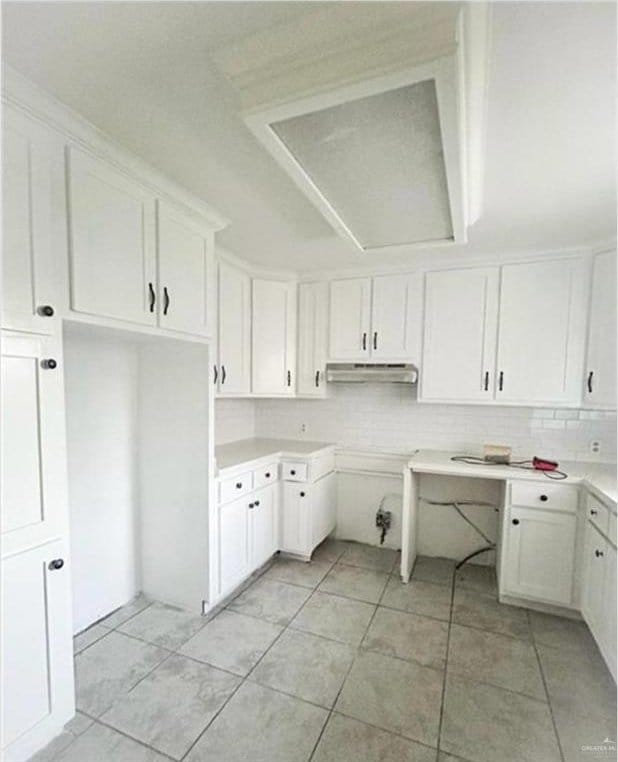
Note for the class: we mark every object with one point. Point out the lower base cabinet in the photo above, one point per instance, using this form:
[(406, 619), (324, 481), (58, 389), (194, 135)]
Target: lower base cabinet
[(233, 543), (37, 649), (308, 514), (262, 525), (599, 592), (538, 554)]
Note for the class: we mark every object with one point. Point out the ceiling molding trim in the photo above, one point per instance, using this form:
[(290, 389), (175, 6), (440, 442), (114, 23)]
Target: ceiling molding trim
[(36, 103)]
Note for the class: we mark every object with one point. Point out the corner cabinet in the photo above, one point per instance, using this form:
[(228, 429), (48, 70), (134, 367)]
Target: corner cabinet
[(273, 341), (31, 164), (509, 335), (232, 375), (600, 372), (375, 319), (312, 339)]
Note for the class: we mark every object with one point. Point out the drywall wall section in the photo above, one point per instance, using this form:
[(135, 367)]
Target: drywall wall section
[(101, 378)]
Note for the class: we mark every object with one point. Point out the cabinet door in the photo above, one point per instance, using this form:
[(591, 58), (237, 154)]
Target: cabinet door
[(323, 508), (33, 454), (539, 554), (234, 308), (350, 314), (593, 603), (273, 337), (263, 525), (233, 543), (186, 290), (27, 271), (458, 358), (312, 338), (37, 649), (111, 243), (296, 519), (600, 382), (541, 332), (395, 322), (610, 609)]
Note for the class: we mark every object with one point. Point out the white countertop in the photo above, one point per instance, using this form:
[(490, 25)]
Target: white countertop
[(598, 477), (247, 450)]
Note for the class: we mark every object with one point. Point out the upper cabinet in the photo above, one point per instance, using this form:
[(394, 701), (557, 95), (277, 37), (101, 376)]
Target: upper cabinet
[(29, 160), (350, 316), (459, 343), (312, 339), (541, 332), (233, 373), (273, 346), (133, 258), (508, 335), (186, 272), (374, 319), (600, 371), (111, 243)]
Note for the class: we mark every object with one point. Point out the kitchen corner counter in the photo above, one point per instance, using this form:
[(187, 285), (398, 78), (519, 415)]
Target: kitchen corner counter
[(599, 478), (248, 450)]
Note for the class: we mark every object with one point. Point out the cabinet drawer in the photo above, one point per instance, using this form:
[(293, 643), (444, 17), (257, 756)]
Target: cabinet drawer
[(294, 472), (265, 475), (234, 487), (543, 495), (598, 514)]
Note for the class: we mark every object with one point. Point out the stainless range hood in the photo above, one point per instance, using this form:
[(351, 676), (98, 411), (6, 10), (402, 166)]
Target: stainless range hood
[(392, 373)]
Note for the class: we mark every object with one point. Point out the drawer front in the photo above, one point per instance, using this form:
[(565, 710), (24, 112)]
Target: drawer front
[(236, 486), (597, 513), (293, 471), (558, 497), (265, 475)]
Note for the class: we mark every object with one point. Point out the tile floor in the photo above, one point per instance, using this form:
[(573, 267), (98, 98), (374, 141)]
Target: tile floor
[(337, 661)]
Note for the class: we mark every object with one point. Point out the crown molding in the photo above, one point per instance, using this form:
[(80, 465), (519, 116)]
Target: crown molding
[(22, 94)]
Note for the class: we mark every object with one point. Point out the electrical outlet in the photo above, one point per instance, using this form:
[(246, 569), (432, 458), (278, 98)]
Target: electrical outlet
[(303, 428), (595, 446)]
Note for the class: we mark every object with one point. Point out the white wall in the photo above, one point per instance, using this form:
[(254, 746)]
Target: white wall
[(234, 419), (387, 417), (101, 404)]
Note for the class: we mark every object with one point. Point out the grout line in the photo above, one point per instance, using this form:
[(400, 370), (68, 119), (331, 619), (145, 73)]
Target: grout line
[(448, 644), (123, 733), (549, 702)]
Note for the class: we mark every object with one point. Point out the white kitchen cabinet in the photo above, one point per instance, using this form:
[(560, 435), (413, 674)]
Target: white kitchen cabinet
[(350, 319), (296, 518), (538, 554), (111, 243), (233, 374), (37, 649), (312, 339), (323, 508), (186, 272), (541, 332), (233, 543), (598, 602), (263, 540), (395, 318), (461, 311), (273, 340), (600, 371), (29, 298), (33, 488)]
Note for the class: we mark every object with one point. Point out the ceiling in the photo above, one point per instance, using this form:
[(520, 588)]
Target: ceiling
[(143, 72)]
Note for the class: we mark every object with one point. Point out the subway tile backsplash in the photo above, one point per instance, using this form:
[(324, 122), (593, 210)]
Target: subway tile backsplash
[(388, 418)]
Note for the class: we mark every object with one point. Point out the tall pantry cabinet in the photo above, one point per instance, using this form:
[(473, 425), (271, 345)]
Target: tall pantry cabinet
[(37, 658)]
